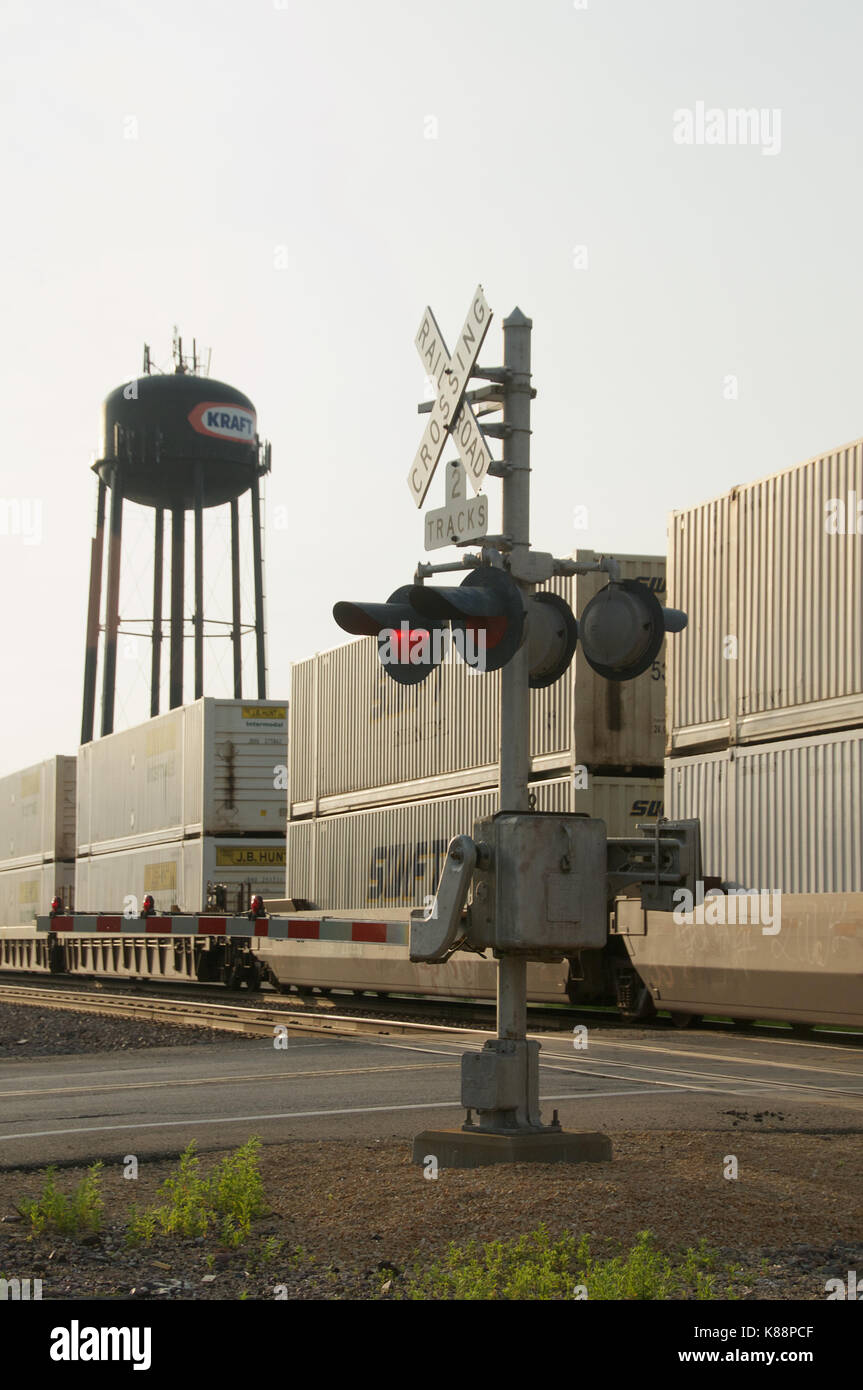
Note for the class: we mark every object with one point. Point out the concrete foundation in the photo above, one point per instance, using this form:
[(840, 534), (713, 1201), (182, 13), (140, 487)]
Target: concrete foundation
[(456, 1148)]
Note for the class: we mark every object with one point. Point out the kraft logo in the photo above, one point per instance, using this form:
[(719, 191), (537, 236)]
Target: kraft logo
[(222, 420)]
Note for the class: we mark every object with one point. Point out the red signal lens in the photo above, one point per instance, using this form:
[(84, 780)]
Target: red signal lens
[(405, 641), (494, 629)]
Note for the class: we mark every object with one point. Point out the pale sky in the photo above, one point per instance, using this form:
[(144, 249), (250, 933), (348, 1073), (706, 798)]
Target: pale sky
[(292, 183)]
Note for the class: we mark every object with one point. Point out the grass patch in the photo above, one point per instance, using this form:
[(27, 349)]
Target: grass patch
[(225, 1203), (536, 1267), (77, 1213)]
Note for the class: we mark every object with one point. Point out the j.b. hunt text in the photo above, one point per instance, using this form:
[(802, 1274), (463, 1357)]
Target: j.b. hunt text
[(418, 647), (737, 906)]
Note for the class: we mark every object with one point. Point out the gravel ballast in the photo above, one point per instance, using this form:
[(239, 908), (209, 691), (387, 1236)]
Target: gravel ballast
[(26, 1030), (342, 1213)]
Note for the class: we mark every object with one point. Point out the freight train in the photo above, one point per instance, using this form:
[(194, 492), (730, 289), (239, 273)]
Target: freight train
[(727, 959)]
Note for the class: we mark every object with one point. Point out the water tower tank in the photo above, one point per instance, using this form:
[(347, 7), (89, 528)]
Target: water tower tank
[(158, 429)]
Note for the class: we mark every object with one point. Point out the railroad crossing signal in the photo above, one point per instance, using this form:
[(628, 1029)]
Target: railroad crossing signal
[(452, 374), (530, 638)]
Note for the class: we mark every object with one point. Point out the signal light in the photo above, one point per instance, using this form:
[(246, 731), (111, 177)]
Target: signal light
[(622, 628), (486, 613), (409, 646), (56, 907), (256, 907), (552, 635), (148, 907)]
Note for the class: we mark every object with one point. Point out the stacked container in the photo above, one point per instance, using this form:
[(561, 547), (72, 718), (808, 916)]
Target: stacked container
[(192, 798), (382, 775), (765, 727), (37, 839)]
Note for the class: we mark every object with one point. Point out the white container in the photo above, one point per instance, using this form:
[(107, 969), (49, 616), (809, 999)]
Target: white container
[(359, 739), (786, 816), (771, 576), (178, 874), (37, 814), (212, 767), (392, 856), (27, 892)]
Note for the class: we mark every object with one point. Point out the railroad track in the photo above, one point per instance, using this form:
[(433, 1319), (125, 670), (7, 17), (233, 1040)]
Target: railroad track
[(204, 1007), (252, 1020)]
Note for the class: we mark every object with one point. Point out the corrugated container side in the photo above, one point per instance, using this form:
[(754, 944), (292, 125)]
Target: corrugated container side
[(178, 873), (354, 730), (785, 816), (800, 803), (392, 856), (801, 618), (206, 768), (699, 582), (302, 731), (130, 784), (27, 892), (777, 569), (37, 813), (703, 787), (198, 770)]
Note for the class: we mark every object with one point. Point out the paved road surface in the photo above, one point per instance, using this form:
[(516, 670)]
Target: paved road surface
[(105, 1106)]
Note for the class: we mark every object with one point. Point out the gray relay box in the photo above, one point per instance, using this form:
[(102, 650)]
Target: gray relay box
[(540, 886)]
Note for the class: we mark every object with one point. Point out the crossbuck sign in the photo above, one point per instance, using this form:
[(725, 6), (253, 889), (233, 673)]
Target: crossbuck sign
[(450, 414)]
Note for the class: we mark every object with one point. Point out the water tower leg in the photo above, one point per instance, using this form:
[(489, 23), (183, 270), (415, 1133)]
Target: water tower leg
[(178, 561), (259, 589), (112, 612), (236, 614), (97, 547), (158, 571), (199, 581)]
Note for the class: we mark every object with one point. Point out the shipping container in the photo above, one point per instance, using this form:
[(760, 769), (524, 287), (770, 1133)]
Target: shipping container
[(214, 767), (178, 875), (782, 816), (27, 892), (392, 856), (358, 738), (37, 814), (771, 576)]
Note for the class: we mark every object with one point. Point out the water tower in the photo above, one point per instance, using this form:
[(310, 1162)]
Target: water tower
[(178, 442)]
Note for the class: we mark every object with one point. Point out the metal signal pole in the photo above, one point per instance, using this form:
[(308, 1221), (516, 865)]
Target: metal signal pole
[(515, 691)]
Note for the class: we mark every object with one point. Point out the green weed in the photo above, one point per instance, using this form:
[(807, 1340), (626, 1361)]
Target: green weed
[(227, 1202), (536, 1267), (72, 1214)]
